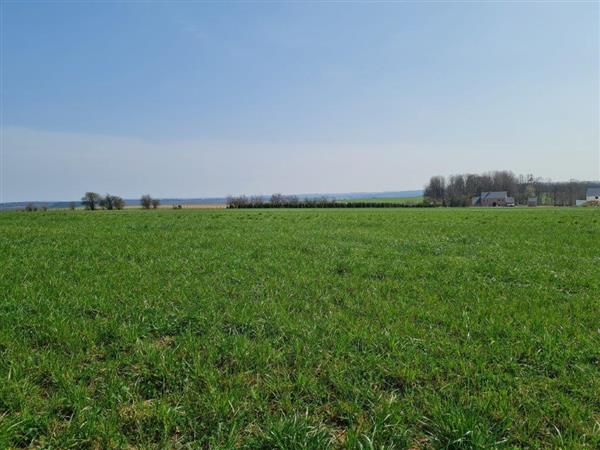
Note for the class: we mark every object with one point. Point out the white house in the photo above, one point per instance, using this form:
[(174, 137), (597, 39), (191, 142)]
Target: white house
[(593, 194)]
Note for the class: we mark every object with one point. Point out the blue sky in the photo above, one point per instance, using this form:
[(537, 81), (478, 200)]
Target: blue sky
[(207, 99)]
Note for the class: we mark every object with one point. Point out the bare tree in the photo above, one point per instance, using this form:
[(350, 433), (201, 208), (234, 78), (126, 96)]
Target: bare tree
[(277, 199), (237, 202), (91, 200), (456, 191), (146, 201), (112, 202), (107, 202), (435, 191), (155, 203), (257, 201), (292, 200), (118, 202)]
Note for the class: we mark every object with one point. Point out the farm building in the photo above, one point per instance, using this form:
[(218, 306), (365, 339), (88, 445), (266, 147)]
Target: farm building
[(592, 194), (500, 198)]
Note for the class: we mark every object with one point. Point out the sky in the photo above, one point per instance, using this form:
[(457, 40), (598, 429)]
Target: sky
[(189, 99)]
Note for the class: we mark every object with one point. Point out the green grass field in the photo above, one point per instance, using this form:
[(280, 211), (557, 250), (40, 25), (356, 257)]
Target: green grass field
[(300, 329)]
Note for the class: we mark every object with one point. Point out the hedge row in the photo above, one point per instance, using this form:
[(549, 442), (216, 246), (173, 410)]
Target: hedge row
[(331, 205)]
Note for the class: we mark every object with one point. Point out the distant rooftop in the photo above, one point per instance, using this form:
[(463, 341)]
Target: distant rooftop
[(494, 195), (593, 192)]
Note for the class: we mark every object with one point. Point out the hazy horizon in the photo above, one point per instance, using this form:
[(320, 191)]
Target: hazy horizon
[(190, 100)]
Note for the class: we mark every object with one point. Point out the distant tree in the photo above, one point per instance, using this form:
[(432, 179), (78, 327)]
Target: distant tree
[(472, 185), (257, 201), (30, 207), (107, 202), (292, 200), (237, 202), (91, 200), (72, 206), (112, 202), (146, 201), (155, 203), (458, 189), (435, 191), (118, 202), (277, 199)]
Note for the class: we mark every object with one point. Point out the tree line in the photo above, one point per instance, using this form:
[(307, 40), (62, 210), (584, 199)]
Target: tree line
[(459, 190), (93, 201), (291, 201)]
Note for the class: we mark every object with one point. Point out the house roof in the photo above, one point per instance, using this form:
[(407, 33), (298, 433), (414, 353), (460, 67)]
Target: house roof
[(494, 195), (593, 192)]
